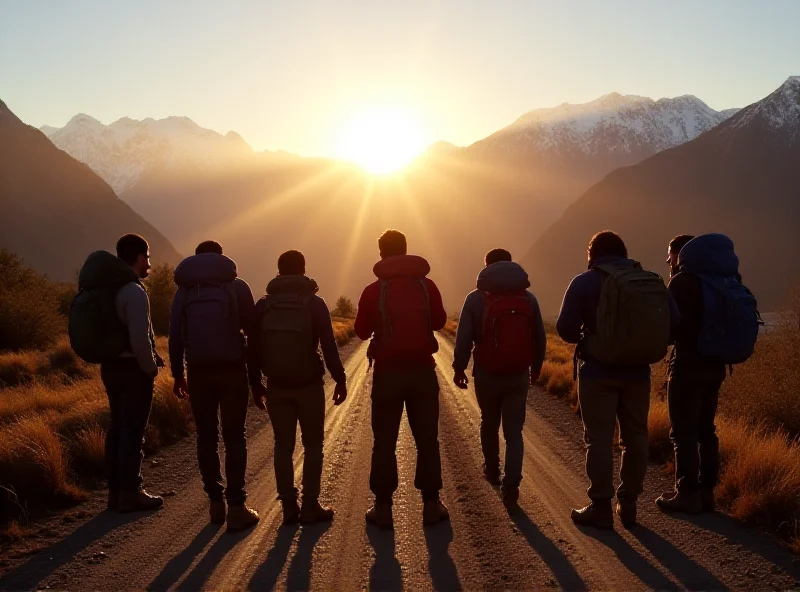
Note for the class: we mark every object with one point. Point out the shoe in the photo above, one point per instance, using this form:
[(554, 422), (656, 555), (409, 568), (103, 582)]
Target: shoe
[(433, 512), (380, 514), (113, 500), (595, 514), (313, 511), (291, 512), (709, 501), (241, 517), (510, 497), (492, 475), (217, 512), (138, 501), (626, 510), (681, 501)]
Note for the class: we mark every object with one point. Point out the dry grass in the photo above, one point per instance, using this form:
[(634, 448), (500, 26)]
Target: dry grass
[(343, 330), (59, 364), (558, 371), (451, 327)]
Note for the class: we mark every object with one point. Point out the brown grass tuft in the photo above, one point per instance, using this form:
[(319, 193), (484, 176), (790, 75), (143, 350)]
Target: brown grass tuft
[(343, 330)]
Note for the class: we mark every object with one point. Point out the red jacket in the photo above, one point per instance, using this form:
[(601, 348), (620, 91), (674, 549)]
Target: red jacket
[(369, 319)]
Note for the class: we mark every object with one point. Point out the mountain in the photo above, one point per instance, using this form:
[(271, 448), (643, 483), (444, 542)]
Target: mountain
[(54, 210), (128, 148), (741, 178)]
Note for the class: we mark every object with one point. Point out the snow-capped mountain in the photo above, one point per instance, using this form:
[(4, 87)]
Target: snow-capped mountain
[(126, 149), (778, 113)]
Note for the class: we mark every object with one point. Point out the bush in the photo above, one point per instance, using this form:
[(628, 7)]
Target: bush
[(344, 308), (161, 288)]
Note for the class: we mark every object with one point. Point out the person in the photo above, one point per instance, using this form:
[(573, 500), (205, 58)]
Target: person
[(674, 250), (400, 312), (129, 377), (209, 320), (614, 370), (293, 323), (503, 321)]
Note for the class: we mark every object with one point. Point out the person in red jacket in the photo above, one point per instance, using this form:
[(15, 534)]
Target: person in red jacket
[(400, 312)]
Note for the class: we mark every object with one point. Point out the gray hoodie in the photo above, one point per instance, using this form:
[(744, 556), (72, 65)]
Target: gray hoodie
[(504, 276)]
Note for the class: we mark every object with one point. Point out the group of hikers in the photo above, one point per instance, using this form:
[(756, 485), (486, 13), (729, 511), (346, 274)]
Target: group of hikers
[(223, 344)]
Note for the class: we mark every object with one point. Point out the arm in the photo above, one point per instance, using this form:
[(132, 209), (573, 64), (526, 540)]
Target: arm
[(539, 339), (465, 336), (321, 317), (254, 345), (674, 319), (570, 318), (365, 318), (176, 342), (438, 314), (136, 312)]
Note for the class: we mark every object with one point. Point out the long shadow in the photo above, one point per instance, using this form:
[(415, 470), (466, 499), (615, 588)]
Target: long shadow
[(444, 574), (178, 565), (266, 576), (691, 574), (385, 574), (28, 575), (300, 567), (631, 558), (565, 573), (203, 570)]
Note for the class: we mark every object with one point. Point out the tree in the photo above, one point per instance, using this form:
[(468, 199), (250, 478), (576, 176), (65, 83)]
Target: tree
[(161, 288), (344, 308)]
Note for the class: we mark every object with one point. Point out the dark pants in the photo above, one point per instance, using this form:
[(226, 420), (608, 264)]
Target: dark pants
[(130, 396), (418, 390), (502, 400), (216, 392), (288, 407), (693, 397)]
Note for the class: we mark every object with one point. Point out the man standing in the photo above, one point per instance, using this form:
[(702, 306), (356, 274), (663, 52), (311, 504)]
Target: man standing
[(400, 312), (208, 324), (502, 319), (617, 344), (289, 326)]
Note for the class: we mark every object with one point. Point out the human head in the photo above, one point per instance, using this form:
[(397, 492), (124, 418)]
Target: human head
[(208, 246), (606, 244), (135, 251), (292, 263), (674, 249), (497, 255), (392, 243)]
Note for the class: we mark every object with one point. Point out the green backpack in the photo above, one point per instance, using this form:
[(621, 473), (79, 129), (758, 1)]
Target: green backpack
[(288, 353), (633, 318)]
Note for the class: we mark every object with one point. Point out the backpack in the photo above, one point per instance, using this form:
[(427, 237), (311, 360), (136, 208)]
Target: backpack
[(288, 353), (506, 341), (405, 311), (633, 317), (211, 323)]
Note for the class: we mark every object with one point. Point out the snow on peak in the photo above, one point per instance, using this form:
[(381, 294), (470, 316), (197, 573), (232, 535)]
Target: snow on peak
[(778, 112)]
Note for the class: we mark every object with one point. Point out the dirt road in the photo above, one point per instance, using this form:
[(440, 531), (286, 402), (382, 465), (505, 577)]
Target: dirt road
[(481, 548)]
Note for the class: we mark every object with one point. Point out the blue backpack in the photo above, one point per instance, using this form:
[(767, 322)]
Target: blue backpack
[(731, 319)]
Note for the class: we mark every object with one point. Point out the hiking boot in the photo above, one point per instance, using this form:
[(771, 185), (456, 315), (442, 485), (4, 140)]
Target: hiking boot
[(626, 510), (433, 512), (492, 475), (595, 514), (291, 512), (138, 501), (313, 511), (241, 517), (113, 500), (510, 497), (380, 514), (709, 501), (217, 512), (681, 501)]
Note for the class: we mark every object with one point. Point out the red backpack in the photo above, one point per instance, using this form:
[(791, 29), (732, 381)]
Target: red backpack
[(506, 343), (405, 312)]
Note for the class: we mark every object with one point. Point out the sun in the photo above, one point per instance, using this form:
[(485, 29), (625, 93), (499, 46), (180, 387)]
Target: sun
[(381, 140)]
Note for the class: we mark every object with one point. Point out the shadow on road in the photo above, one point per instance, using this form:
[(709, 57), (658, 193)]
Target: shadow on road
[(178, 565), (28, 575), (302, 562), (444, 574), (198, 577), (385, 573), (266, 576), (565, 573)]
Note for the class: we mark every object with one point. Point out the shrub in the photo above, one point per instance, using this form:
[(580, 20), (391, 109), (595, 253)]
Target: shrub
[(343, 331), (161, 289), (344, 308)]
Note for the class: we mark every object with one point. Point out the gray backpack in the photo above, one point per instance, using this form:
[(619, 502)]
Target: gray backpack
[(633, 318), (288, 353)]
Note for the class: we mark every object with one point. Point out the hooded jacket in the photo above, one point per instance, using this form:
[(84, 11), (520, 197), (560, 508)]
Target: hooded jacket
[(368, 318), (207, 268), (503, 276), (321, 327)]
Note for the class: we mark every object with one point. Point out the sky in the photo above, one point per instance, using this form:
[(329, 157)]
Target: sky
[(290, 74)]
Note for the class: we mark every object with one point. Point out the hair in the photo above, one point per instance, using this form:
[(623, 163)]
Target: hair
[(497, 255), (677, 243), (292, 263), (391, 243), (130, 246), (607, 244), (208, 246)]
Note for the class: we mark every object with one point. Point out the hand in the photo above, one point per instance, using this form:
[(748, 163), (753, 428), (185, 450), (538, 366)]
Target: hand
[(460, 379), (259, 396), (179, 389), (339, 393)]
